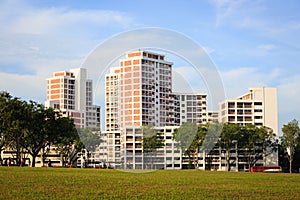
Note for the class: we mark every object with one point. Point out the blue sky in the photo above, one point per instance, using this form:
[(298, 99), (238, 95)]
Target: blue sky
[(251, 42)]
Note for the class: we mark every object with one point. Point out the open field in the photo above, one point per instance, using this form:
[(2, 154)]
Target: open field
[(53, 183)]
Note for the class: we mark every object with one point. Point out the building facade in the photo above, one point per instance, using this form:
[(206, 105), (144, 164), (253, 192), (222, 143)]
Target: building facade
[(191, 107), (166, 157), (257, 107), (72, 93), (139, 91)]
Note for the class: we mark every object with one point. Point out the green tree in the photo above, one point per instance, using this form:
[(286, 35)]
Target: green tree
[(228, 140), (211, 136), (291, 139), (44, 128), (197, 142), (151, 141), (258, 142), (4, 99), (15, 118), (34, 137), (68, 139), (187, 140), (89, 137)]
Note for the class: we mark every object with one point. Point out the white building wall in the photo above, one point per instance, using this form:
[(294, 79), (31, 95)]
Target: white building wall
[(74, 97), (262, 104)]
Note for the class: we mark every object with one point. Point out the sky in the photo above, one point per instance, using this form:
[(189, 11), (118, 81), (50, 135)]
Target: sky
[(251, 42)]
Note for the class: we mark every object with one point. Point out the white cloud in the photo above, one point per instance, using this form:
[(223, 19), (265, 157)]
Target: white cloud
[(208, 50), (55, 19), (187, 79), (25, 86), (266, 47), (289, 94), (288, 99), (237, 81), (44, 40), (226, 8)]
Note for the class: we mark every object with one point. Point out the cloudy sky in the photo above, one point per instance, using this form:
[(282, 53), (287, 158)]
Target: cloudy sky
[(251, 42)]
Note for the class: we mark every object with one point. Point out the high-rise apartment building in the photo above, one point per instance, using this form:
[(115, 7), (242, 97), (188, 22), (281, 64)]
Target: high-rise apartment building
[(72, 93), (258, 107), (139, 91), (191, 107)]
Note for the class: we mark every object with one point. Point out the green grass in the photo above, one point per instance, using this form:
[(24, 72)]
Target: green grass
[(53, 183)]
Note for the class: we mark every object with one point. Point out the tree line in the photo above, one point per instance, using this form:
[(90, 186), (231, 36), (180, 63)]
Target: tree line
[(255, 142), (29, 128)]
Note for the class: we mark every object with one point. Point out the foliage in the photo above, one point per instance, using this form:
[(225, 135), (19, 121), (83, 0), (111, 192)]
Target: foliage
[(4, 98), (291, 139), (151, 140), (184, 136), (30, 127), (189, 138), (150, 143), (229, 138), (14, 119), (257, 142), (89, 138)]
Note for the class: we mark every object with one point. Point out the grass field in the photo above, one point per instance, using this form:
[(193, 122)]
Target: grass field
[(53, 183)]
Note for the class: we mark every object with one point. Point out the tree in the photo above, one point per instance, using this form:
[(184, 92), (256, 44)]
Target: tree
[(197, 142), (151, 141), (68, 139), (210, 138), (4, 98), (185, 137), (30, 127), (35, 137), (229, 137), (291, 139), (258, 142), (46, 127), (89, 137), (15, 117)]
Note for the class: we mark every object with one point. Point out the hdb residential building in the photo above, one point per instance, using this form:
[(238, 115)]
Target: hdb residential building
[(139, 92), (258, 107), (72, 93)]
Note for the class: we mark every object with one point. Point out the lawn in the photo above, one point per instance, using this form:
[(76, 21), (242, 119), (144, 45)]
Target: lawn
[(54, 183)]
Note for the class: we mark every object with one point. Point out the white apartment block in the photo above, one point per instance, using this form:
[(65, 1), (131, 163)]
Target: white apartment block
[(110, 149), (139, 91), (72, 93), (191, 107), (258, 107), (212, 116), (112, 100), (166, 157)]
